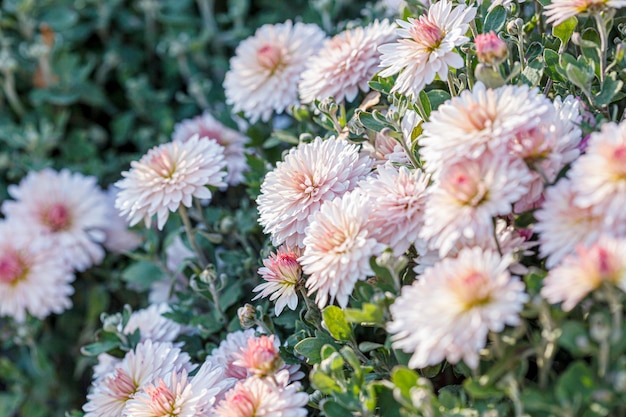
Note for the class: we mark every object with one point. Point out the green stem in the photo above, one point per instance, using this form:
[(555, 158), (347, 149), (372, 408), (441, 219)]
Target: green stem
[(603, 43)]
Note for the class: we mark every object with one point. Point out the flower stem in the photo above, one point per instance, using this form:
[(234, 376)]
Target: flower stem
[(603, 43)]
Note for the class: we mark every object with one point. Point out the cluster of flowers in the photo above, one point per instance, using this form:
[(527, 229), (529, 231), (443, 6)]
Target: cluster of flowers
[(243, 376)]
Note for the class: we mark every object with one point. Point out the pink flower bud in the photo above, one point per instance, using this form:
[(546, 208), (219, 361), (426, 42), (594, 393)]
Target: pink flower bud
[(491, 50)]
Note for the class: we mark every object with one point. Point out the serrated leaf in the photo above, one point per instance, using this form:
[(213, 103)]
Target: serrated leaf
[(336, 323), (495, 20), (368, 315)]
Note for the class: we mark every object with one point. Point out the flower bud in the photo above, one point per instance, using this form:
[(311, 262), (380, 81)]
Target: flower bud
[(491, 50), (247, 316)]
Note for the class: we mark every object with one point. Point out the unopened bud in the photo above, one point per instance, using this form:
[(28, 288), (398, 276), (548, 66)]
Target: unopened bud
[(247, 316), (491, 50)]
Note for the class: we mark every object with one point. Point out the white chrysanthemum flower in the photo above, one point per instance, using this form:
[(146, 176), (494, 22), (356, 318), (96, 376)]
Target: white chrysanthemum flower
[(560, 10), (599, 176), (585, 270), (562, 225), (398, 197), (181, 396), (206, 126), (67, 208), (170, 175), (265, 71), (152, 325), (119, 238), (481, 119), (427, 47), (34, 278), (338, 246), (282, 274), (309, 175), (345, 64), (468, 195), (257, 397), (145, 365), (449, 311)]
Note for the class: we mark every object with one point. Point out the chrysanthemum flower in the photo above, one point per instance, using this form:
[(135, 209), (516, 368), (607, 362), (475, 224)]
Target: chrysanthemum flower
[(490, 49), (585, 270), (180, 396), (145, 365), (345, 64), (118, 237), (206, 126), (449, 311), (399, 198), (599, 176), (468, 195), (481, 119), (282, 274), (152, 325), (260, 357), (427, 47), (339, 243), (67, 208), (562, 225), (34, 278), (560, 10), (256, 397), (265, 71), (309, 175), (170, 175)]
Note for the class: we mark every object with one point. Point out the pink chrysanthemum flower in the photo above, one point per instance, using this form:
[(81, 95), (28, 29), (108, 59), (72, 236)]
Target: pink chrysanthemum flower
[(427, 47), (145, 365), (399, 198), (468, 195), (345, 64), (180, 396), (282, 273), (119, 238), (152, 325), (170, 175), (449, 311), (338, 246), (309, 175), (560, 10), (260, 357), (481, 119), (585, 270), (206, 126), (256, 397), (265, 71), (599, 176), (34, 278), (562, 225), (68, 209), (490, 49)]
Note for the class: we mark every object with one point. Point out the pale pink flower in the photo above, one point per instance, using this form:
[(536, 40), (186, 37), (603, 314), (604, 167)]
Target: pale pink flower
[(562, 225), (153, 325), (338, 246), (345, 63), (586, 270), (145, 365), (260, 357), (256, 397), (427, 47), (180, 396), (468, 195), (398, 197), (490, 49), (170, 175), (599, 176), (309, 175), (68, 209), (233, 142), (386, 148), (282, 274), (449, 311), (560, 10), (265, 71), (34, 278), (119, 238), (481, 119)]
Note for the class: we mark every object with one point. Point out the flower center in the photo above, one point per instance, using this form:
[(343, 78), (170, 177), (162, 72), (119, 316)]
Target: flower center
[(461, 182), (12, 269), (426, 33), (618, 158), (57, 217), (269, 57), (473, 290), (162, 400), (162, 164), (121, 385)]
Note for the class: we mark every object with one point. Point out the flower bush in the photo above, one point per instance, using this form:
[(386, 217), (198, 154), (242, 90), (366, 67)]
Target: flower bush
[(238, 209)]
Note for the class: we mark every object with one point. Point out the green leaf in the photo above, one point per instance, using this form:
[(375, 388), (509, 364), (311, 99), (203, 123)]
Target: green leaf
[(579, 75), (425, 102), (368, 315), (108, 342), (495, 20), (333, 409), (437, 98), (141, 275), (404, 379), (610, 87), (336, 323), (575, 385), (323, 382), (575, 338), (310, 348), (370, 122), (551, 58), (480, 391), (533, 72), (564, 30)]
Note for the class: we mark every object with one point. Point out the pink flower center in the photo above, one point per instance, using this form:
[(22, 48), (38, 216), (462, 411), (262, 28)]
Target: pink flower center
[(479, 117), (426, 33), (462, 182), (269, 57), (619, 162), (161, 162), (241, 404), (57, 217), (490, 48), (473, 290), (162, 400), (11, 268), (121, 385), (261, 356)]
